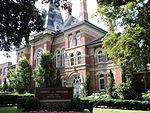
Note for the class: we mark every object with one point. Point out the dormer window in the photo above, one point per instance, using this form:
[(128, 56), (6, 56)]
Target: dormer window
[(71, 41), (78, 38)]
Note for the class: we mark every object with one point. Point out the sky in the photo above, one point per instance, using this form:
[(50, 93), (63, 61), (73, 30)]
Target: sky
[(91, 8)]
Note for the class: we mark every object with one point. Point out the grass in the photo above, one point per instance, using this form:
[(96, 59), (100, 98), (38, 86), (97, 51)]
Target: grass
[(96, 110), (8, 109), (100, 110)]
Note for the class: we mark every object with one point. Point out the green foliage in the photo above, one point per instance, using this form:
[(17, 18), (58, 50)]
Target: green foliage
[(126, 89), (1, 87), (32, 104), (17, 20), (58, 79), (23, 74), (12, 78), (101, 95), (44, 75), (87, 85), (118, 103), (5, 86), (76, 104), (146, 96), (110, 85)]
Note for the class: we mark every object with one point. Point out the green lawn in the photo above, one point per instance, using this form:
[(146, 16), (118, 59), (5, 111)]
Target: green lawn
[(100, 110), (8, 109)]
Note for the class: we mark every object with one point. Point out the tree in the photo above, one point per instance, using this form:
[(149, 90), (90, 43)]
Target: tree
[(12, 80), (24, 74), (110, 84), (5, 86), (87, 85), (18, 18), (44, 75), (58, 79)]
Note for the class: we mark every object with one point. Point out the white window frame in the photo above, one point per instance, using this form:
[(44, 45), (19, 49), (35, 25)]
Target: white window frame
[(58, 58), (71, 41), (79, 58), (78, 39), (37, 60), (71, 59), (99, 57), (63, 57), (101, 84)]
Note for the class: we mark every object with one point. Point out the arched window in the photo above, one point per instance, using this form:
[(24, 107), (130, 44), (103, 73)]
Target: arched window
[(78, 39), (99, 56), (37, 60), (58, 59), (77, 85), (71, 59), (79, 58), (101, 83), (63, 57), (70, 41)]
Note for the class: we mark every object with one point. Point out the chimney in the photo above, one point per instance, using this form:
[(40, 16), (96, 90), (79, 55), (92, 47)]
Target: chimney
[(83, 10), (68, 10)]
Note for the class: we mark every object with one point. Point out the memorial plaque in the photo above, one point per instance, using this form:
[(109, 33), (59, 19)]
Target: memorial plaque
[(64, 93)]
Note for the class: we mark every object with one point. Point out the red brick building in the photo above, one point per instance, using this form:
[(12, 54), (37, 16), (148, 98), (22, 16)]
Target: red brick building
[(3, 71), (76, 46)]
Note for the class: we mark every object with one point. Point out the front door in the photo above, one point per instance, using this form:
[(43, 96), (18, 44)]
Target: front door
[(77, 85)]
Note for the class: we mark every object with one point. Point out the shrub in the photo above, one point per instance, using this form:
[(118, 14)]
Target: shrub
[(76, 105), (87, 85), (110, 88), (87, 104), (146, 96), (118, 103), (99, 95), (32, 104)]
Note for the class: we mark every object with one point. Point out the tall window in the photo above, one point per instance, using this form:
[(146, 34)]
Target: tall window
[(38, 58), (70, 41), (77, 85), (58, 59), (71, 59), (79, 58), (101, 83), (99, 57), (63, 57), (78, 38)]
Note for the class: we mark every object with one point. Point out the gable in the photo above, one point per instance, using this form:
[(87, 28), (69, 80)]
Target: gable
[(70, 22)]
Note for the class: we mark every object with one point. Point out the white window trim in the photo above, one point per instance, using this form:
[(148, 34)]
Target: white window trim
[(71, 42), (101, 78), (77, 56), (71, 58), (58, 62), (99, 54), (78, 39)]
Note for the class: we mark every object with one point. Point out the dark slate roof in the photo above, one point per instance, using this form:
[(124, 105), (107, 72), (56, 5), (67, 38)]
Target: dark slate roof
[(98, 40)]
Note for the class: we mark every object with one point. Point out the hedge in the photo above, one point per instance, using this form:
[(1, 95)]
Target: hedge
[(118, 103), (11, 100)]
